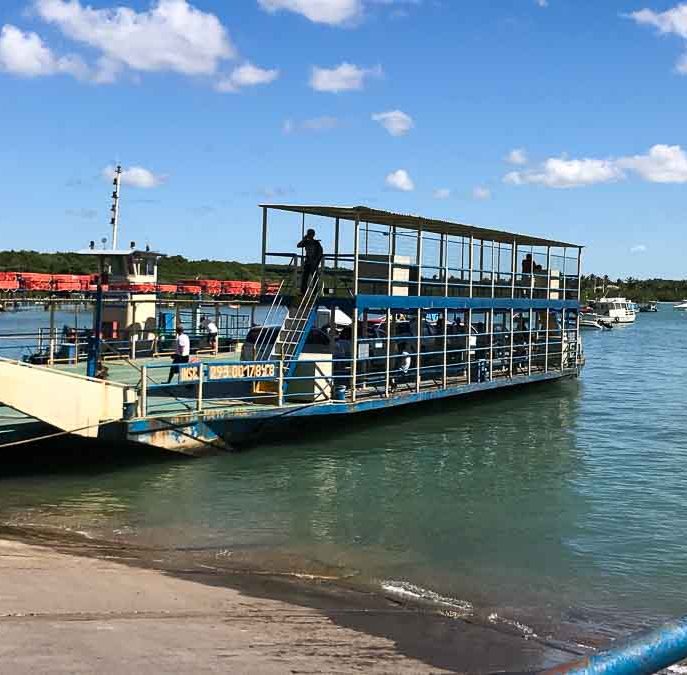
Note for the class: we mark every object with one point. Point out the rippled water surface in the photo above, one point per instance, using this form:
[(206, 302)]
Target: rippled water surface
[(563, 505)]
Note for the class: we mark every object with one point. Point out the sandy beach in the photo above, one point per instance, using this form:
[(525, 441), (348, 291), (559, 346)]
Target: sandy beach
[(64, 613)]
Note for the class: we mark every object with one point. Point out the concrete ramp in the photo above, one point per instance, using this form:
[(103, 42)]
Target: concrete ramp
[(72, 403)]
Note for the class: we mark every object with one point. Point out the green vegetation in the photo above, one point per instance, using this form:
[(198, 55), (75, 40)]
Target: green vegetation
[(175, 268), (639, 290), (172, 269)]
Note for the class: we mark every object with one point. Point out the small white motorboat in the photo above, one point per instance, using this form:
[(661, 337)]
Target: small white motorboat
[(682, 306)]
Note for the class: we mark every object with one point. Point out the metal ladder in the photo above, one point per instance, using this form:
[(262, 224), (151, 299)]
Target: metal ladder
[(296, 326)]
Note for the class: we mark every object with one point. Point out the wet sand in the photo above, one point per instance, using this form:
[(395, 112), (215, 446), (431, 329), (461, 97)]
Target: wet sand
[(74, 606)]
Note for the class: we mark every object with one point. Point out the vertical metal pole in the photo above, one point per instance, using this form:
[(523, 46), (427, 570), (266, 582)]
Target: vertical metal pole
[(132, 336), (94, 348), (471, 262), (390, 274), (418, 347), (76, 333), (444, 374), (217, 314), (578, 338), (336, 255), (548, 273), (546, 343), (493, 278), (354, 353), (491, 344), (114, 221), (532, 273), (144, 391), (51, 355), (469, 327), (512, 335), (446, 242), (529, 355), (513, 267), (263, 258), (336, 243), (419, 261), (280, 383), (356, 254), (387, 373), (201, 382), (563, 313)]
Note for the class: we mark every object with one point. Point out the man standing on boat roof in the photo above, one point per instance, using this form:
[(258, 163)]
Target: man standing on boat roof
[(313, 257)]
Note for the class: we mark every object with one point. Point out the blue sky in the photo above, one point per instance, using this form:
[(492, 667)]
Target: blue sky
[(562, 118)]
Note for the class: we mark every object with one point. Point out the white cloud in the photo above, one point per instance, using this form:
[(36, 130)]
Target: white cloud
[(136, 176), (542, 3), (559, 172), (481, 193), (26, 55), (517, 156), (315, 124), (331, 12), (171, 36), (396, 122), (671, 22), (246, 75), (346, 77), (441, 193), (400, 180), (638, 248), (662, 164)]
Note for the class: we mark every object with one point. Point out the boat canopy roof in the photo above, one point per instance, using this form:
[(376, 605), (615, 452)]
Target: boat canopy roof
[(365, 214)]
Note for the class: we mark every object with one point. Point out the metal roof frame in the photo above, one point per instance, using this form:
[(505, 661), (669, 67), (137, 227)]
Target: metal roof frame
[(365, 214)]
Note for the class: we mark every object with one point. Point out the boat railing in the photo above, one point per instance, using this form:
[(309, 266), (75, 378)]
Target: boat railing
[(387, 368)]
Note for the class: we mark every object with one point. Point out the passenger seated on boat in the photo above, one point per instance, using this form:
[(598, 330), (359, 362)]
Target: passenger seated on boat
[(402, 372)]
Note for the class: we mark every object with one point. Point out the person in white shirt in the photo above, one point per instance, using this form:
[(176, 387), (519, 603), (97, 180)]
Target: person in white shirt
[(181, 354), (211, 327)]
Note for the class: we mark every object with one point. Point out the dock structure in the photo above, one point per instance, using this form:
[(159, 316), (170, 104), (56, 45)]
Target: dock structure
[(398, 310)]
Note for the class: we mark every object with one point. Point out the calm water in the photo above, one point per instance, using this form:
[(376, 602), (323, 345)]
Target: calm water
[(563, 507)]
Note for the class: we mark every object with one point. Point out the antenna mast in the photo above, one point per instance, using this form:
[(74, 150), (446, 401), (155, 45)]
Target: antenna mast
[(114, 221)]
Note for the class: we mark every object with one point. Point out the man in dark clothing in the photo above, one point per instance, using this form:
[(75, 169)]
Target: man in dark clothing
[(313, 257)]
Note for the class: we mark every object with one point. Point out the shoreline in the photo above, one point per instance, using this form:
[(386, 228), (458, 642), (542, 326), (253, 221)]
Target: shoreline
[(403, 636)]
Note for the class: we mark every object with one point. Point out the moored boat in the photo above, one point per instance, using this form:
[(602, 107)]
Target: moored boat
[(615, 310), (650, 306)]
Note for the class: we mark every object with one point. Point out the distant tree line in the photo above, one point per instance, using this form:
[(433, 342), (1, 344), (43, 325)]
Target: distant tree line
[(176, 267), (639, 290), (172, 268)]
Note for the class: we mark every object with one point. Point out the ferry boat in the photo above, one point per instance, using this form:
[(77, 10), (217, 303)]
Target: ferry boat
[(433, 310), (615, 310)]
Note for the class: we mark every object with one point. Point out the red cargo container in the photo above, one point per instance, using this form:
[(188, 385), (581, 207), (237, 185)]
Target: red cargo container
[(9, 281), (233, 288), (35, 281), (166, 288), (189, 289), (251, 289), (272, 288), (66, 282), (211, 286)]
